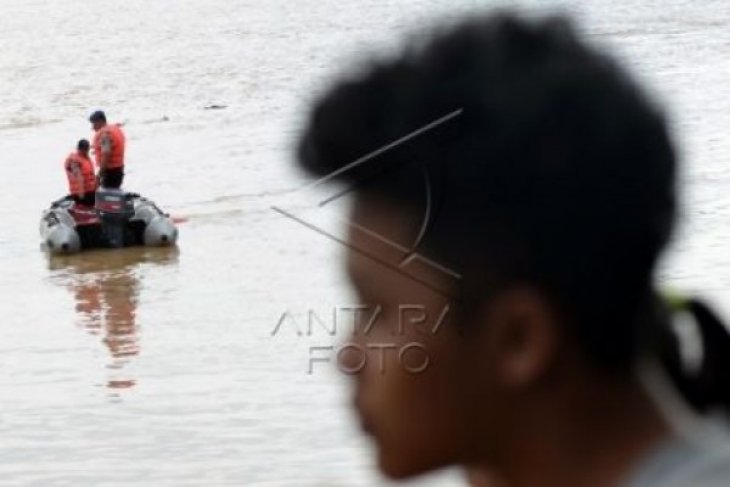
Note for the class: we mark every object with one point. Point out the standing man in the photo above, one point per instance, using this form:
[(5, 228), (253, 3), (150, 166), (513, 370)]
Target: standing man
[(80, 174), (109, 145)]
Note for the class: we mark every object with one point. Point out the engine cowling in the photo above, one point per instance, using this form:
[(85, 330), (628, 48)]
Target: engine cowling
[(115, 209)]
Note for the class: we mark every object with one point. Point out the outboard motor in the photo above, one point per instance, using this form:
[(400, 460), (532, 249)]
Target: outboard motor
[(115, 210)]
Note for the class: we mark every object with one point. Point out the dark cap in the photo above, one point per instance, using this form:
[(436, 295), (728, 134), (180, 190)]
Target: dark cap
[(83, 145), (97, 116)]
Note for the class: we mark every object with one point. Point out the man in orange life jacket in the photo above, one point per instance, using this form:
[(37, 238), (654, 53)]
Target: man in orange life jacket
[(108, 144), (80, 174)]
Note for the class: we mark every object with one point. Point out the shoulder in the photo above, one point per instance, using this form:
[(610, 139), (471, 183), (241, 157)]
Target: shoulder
[(113, 131), (704, 467), (100, 133), (702, 460), (105, 133)]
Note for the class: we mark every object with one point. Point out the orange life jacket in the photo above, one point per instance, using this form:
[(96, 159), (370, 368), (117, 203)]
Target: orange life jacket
[(80, 174), (117, 140)]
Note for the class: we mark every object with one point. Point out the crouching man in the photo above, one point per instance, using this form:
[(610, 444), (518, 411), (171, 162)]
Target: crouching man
[(80, 174)]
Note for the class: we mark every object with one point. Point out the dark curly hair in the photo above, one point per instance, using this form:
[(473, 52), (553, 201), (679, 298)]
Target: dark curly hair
[(556, 169)]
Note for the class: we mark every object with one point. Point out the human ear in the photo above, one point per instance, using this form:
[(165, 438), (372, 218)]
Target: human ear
[(522, 336)]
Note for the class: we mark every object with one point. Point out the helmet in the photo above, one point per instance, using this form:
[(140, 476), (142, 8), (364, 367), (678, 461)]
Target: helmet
[(98, 115)]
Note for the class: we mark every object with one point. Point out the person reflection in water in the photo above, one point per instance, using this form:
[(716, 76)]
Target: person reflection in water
[(106, 292), (548, 185), (107, 305)]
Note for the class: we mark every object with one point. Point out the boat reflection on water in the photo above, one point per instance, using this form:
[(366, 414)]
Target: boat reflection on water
[(106, 287)]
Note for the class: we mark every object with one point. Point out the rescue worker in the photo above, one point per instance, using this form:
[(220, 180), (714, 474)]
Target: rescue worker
[(80, 174), (109, 142)]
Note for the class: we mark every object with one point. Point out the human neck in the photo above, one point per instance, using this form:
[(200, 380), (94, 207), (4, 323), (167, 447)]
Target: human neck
[(591, 433)]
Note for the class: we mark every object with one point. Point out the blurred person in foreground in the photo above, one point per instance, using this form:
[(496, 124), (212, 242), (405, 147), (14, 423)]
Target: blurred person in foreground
[(109, 144), (545, 178)]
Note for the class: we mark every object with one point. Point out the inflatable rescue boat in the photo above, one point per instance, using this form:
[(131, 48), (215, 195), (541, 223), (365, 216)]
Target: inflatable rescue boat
[(117, 219)]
